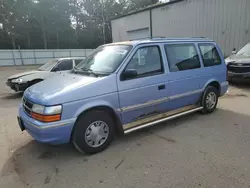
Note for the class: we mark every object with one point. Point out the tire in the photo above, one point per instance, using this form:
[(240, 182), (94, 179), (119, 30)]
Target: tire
[(209, 99), (93, 132)]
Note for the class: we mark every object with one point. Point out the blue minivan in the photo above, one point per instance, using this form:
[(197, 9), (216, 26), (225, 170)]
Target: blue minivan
[(123, 87)]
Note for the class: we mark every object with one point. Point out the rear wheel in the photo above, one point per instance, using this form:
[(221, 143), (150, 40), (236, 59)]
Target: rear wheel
[(93, 132), (210, 99)]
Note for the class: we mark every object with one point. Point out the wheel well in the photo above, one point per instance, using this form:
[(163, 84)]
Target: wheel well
[(111, 112), (36, 81), (216, 85)]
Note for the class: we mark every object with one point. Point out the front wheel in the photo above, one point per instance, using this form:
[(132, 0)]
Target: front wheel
[(93, 132), (210, 99)]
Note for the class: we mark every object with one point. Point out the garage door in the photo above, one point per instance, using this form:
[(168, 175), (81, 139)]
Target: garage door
[(139, 33)]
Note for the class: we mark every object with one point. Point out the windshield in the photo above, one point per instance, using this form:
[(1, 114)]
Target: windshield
[(48, 66), (245, 50), (105, 59)]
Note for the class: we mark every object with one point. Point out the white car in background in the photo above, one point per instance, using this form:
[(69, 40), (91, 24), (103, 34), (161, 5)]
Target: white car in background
[(20, 82)]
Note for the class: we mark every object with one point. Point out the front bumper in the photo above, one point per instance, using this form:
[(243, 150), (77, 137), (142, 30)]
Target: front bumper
[(17, 86), (233, 75), (53, 133)]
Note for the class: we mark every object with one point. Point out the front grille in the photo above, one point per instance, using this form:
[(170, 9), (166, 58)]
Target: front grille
[(239, 68), (27, 105)]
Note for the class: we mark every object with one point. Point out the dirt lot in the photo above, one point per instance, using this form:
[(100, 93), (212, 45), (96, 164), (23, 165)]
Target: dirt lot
[(193, 151)]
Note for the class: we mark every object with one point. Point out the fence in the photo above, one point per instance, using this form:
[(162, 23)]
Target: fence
[(30, 57)]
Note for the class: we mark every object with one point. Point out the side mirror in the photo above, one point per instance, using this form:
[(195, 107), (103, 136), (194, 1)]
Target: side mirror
[(234, 51), (129, 74)]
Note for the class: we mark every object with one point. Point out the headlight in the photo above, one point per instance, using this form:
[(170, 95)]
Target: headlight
[(38, 109), (53, 110), (46, 114), (19, 80), (229, 61)]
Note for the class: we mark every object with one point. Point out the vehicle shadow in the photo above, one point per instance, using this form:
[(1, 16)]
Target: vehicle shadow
[(242, 84), (9, 96), (39, 164)]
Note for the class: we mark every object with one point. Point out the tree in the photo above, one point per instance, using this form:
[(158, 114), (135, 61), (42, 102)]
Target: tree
[(61, 23)]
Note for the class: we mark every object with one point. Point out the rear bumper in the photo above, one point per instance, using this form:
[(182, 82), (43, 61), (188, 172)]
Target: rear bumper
[(53, 133)]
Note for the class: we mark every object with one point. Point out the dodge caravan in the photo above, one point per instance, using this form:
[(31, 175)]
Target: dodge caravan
[(123, 87)]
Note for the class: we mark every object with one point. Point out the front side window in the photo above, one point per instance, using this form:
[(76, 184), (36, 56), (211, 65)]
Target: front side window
[(182, 57), (210, 55), (65, 65), (146, 61), (105, 59), (49, 65)]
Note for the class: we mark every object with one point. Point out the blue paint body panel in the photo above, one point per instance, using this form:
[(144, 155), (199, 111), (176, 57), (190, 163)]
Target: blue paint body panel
[(130, 100), (53, 135)]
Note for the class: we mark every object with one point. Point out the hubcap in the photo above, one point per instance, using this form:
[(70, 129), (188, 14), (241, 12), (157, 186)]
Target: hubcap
[(211, 100), (96, 133)]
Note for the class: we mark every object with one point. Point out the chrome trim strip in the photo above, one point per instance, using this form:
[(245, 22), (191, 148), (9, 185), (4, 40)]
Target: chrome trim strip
[(235, 73), (164, 99), (152, 102), (52, 125), (186, 94), (161, 120), (157, 117), (240, 66), (222, 84)]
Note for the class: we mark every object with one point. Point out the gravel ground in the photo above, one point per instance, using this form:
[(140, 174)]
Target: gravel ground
[(193, 151)]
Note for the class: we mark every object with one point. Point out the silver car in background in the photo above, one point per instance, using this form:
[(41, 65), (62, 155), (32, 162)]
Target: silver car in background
[(20, 82), (238, 64)]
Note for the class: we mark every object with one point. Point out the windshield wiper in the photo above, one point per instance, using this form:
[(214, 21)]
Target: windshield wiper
[(89, 71)]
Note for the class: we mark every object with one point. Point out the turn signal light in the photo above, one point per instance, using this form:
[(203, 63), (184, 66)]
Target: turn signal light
[(46, 118)]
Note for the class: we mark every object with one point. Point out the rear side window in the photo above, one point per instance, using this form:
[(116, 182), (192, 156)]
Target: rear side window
[(210, 55), (182, 57), (65, 65)]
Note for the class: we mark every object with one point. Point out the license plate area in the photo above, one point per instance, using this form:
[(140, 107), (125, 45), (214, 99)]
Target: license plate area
[(20, 123)]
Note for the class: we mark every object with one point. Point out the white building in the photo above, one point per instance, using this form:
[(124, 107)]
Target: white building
[(225, 21)]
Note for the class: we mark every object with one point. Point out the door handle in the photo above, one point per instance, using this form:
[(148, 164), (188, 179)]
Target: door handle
[(161, 87)]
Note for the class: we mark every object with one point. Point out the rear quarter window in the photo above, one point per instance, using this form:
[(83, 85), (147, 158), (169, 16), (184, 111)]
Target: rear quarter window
[(210, 55)]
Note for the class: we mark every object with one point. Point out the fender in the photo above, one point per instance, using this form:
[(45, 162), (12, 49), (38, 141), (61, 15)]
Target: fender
[(99, 103), (210, 81), (94, 104)]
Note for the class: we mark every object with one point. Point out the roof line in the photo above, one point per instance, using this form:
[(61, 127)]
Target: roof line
[(148, 8)]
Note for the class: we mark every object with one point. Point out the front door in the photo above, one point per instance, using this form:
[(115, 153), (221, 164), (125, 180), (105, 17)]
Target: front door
[(141, 96)]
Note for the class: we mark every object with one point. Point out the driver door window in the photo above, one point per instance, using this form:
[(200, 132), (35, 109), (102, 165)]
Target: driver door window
[(146, 61), (65, 65)]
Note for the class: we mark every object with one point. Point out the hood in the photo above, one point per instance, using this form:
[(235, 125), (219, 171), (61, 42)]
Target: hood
[(238, 59), (15, 76), (68, 87), (37, 75)]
